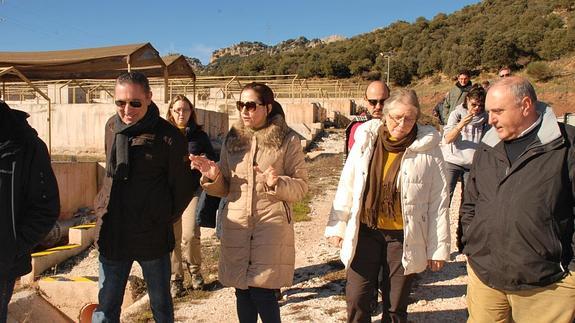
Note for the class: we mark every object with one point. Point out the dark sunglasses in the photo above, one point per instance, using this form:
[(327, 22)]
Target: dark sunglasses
[(374, 102), (250, 105), (133, 104)]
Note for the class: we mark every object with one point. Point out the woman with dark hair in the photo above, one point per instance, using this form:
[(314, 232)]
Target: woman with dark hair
[(462, 134), (261, 172), (182, 114)]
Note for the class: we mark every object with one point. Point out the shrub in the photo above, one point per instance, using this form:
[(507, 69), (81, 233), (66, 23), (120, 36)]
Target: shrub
[(540, 71)]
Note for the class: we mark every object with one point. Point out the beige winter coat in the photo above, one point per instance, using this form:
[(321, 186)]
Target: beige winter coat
[(424, 198), (257, 241)]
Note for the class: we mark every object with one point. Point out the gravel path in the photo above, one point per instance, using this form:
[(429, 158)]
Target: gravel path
[(318, 291)]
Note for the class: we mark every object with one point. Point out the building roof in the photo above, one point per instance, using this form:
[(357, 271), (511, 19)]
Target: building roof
[(93, 63)]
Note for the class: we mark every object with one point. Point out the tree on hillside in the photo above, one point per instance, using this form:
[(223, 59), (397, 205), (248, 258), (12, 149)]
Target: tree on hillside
[(483, 36)]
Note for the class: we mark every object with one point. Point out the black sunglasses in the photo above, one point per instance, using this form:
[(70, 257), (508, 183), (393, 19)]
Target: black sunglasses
[(250, 105), (133, 104), (374, 102)]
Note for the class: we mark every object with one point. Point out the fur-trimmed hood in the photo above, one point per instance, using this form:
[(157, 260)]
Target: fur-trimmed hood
[(271, 137)]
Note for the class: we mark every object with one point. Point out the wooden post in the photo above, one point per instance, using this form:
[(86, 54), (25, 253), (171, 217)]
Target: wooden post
[(165, 84)]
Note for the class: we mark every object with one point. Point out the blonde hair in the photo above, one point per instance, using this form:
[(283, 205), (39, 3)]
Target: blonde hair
[(193, 119)]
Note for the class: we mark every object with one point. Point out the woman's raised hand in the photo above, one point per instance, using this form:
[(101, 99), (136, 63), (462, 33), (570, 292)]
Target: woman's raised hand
[(207, 167), (270, 175)]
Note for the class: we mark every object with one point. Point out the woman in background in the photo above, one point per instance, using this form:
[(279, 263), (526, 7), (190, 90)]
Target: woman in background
[(187, 251)]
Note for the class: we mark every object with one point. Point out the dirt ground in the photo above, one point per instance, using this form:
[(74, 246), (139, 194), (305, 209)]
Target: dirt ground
[(318, 293)]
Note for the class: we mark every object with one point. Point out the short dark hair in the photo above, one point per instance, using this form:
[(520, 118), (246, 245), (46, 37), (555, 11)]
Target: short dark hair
[(477, 92), (464, 72), (134, 78)]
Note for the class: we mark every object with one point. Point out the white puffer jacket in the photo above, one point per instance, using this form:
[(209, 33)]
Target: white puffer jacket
[(424, 198)]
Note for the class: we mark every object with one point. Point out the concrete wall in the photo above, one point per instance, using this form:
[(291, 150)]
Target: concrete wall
[(79, 128), (77, 184)]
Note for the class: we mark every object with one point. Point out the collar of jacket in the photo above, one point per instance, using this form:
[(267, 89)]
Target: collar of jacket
[(239, 137), (465, 87), (548, 132), (427, 136)]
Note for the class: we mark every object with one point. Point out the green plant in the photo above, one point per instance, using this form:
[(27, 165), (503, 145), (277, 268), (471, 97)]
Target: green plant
[(301, 209), (540, 71)]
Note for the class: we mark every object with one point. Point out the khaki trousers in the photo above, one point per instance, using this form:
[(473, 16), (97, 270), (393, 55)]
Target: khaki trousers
[(554, 303), (187, 248)]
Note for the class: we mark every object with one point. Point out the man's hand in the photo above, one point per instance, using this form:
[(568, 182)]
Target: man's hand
[(435, 265), (335, 241), (465, 121)]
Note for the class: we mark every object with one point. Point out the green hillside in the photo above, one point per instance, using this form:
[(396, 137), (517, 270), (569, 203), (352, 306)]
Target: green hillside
[(479, 37)]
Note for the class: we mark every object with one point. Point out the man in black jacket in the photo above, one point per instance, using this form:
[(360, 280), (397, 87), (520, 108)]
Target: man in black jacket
[(29, 200), (147, 187), (517, 214)]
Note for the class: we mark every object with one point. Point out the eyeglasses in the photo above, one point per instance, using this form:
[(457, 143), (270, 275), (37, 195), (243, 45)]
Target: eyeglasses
[(374, 102), (133, 104), (181, 111), (403, 119), (474, 105), (505, 75), (250, 105)]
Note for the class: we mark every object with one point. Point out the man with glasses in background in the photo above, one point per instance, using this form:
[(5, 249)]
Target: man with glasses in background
[(375, 95), (148, 185), (504, 71)]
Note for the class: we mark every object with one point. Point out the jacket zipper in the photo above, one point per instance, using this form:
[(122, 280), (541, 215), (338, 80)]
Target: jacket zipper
[(286, 207), (13, 204)]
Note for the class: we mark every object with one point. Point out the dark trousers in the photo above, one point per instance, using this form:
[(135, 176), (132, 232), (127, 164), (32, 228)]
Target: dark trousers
[(455, 173), (377, 249), (6, 290), (253, 301)]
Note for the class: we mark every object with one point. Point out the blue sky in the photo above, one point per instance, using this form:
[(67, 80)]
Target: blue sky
[(196, 28)]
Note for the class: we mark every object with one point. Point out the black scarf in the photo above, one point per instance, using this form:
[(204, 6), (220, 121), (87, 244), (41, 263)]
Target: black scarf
[(117, 165)]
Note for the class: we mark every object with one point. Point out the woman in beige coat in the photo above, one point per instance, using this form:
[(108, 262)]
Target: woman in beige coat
[(261, 172)]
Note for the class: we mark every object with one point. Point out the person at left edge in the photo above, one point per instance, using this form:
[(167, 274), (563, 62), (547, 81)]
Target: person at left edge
[(29, 199)]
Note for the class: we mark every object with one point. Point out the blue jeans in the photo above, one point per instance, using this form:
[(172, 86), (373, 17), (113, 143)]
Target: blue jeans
[(253, 301), (6, 290), (112, 283)]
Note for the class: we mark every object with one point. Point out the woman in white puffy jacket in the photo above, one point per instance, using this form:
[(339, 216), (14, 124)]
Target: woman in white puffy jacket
[(391, 209)]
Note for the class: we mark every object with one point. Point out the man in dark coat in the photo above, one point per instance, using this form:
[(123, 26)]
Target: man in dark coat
[(29, 200), (148, 185), (517, 214)]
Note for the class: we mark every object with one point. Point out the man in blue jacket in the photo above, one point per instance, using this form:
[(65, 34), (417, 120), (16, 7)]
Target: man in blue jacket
[(29, 200), (517, 214)]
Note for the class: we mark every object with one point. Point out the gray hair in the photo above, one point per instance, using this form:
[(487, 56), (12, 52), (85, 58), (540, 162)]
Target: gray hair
[(518, 87), (134, 78), (405, 96)]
